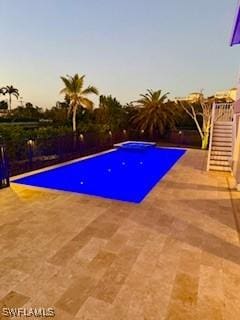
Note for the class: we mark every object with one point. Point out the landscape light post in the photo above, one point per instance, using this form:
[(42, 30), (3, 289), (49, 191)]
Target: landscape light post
[(30, 152), (180, 135), (4, 171), (124, 134), (82, 143), (111, 137)]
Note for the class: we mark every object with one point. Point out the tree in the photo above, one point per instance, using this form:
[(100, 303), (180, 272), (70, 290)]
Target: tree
[(2, 91), (11, 91), (27, 113), (58, 113), (202, 110), (154, 113), (3, 105), (77, 95), (110, 113)]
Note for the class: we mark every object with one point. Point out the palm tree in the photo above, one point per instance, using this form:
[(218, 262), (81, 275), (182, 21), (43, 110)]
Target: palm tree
[(11, 91), (77, 95), (154, 114)]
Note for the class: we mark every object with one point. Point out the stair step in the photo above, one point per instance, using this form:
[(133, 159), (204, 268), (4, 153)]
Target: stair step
[(222, 163), (215, 131), (222, 129), (224, 126), (222, 144), (222, 136), (223, 123), (219, 168), (222, 149), (227, 153), (220, 157), (223, 139)]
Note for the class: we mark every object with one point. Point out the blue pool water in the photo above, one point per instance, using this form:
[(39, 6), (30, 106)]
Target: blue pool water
[(121, 174)]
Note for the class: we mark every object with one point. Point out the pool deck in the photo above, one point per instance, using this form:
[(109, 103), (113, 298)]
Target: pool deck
[(174, 256)]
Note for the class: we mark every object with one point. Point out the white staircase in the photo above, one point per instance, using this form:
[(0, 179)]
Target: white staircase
[(221, 138)]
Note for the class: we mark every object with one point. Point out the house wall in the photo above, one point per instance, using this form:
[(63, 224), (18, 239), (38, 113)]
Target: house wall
[(236, 105)]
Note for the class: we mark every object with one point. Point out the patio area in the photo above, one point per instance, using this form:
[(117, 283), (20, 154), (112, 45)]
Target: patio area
[(174, 256)]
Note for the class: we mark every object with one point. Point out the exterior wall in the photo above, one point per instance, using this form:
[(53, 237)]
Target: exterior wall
[(236, 106), (228, 94), (238, 86), (192, 97)]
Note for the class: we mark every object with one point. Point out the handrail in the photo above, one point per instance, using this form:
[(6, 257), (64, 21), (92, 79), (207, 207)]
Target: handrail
[(223, 112), (211, 136)]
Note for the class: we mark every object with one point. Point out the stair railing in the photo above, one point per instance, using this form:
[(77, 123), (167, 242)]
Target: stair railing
[(223, 112), (211, 135)]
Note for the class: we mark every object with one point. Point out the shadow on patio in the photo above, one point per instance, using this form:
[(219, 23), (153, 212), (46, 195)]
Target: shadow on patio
[(189, 234)]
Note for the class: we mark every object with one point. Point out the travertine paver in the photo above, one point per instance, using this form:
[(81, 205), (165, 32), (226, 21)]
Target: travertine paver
[(174, 256)]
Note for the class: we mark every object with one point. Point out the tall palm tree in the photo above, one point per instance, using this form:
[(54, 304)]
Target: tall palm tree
[(154, 113), (77, 95), (11, 91)]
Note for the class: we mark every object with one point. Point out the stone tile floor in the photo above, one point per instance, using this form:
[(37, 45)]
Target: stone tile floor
[(174, 256)]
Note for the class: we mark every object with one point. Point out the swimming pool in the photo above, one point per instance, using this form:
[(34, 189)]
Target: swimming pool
[(121, 174)]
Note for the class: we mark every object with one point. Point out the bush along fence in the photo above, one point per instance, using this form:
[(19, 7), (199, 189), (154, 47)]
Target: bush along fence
[(183, 137), (35, 153)]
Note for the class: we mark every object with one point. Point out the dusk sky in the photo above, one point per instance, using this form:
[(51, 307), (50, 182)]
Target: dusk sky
[(123, 47)]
